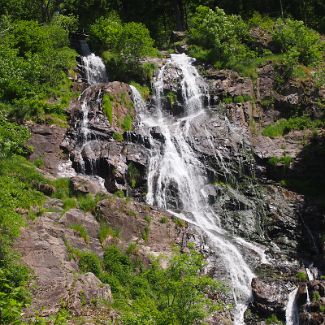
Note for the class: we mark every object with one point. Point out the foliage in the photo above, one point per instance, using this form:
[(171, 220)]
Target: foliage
[(108, 107), (123, 44), (81, 230), (87, 203), (143, 90), (105, 230), (302, 276), (90, 262), (300, 43), (218, 38), (285, 160), (176, 295), (18, 191), (34, 59), (273, 319), (284, 126), (12, 138)]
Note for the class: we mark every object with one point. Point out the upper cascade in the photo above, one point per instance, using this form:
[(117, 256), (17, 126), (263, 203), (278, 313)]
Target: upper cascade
[(95, 69)]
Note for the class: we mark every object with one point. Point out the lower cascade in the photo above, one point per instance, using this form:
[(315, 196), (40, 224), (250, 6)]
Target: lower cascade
[(176, 181)]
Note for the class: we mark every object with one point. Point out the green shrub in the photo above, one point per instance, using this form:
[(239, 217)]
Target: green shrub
[(90, 262), (163, 220), (87, 203), (81, 231), (302, 276), (143, 90), (316, 296), (295, 39), (105, 230), (119, 193), (69, 203), (133, 174), (62, 188), (273, 319), (285, 160)]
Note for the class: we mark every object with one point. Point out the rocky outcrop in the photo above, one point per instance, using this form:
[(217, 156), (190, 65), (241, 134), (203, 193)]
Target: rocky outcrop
[(46, 247), (43, 246), (46, 141)]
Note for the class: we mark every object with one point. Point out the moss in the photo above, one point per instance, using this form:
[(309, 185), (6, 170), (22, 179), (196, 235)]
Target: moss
[(108, 107), (127, 123), (172, 98), (118, 137)]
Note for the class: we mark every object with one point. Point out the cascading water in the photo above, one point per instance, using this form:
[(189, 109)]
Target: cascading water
[(95, 69), (175, 170), (292, 317)]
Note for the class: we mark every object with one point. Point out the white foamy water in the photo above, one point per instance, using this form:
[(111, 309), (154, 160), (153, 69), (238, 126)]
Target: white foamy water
[(174, 165), (292, 317), (95, 69)]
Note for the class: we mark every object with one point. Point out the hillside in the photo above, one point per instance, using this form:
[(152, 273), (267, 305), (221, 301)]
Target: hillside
[(162, 162)]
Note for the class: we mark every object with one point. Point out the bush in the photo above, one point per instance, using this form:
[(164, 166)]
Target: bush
[(87, 203), (218, 37), (285, 160), (90, 262), (298, 41), (302, 276), (123, 46)]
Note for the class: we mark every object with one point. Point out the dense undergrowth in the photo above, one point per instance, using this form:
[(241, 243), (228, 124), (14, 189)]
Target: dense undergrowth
[(149, 294)]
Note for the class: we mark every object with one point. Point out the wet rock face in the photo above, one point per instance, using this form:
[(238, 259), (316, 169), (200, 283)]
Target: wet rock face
[(100, 147), (269, 298), (312, 311)]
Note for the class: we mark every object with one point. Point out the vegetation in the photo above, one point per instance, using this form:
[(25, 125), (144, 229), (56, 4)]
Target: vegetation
[(285, 160), (225, 41), (284, 126), (302, 276), (149, 293)]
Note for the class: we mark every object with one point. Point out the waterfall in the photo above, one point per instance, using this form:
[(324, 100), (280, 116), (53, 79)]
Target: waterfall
[(93, 66), (95, 70), (176, 177), (292, 315)]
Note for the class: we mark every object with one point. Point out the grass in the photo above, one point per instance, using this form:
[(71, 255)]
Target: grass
[(143, 90), (118, 137), (285, 160), (105, 230), (284, 126), (81, 231), (108, 107), (127, 123)]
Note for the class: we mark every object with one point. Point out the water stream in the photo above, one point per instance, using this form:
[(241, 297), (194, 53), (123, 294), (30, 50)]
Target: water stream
[(176, 178)]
